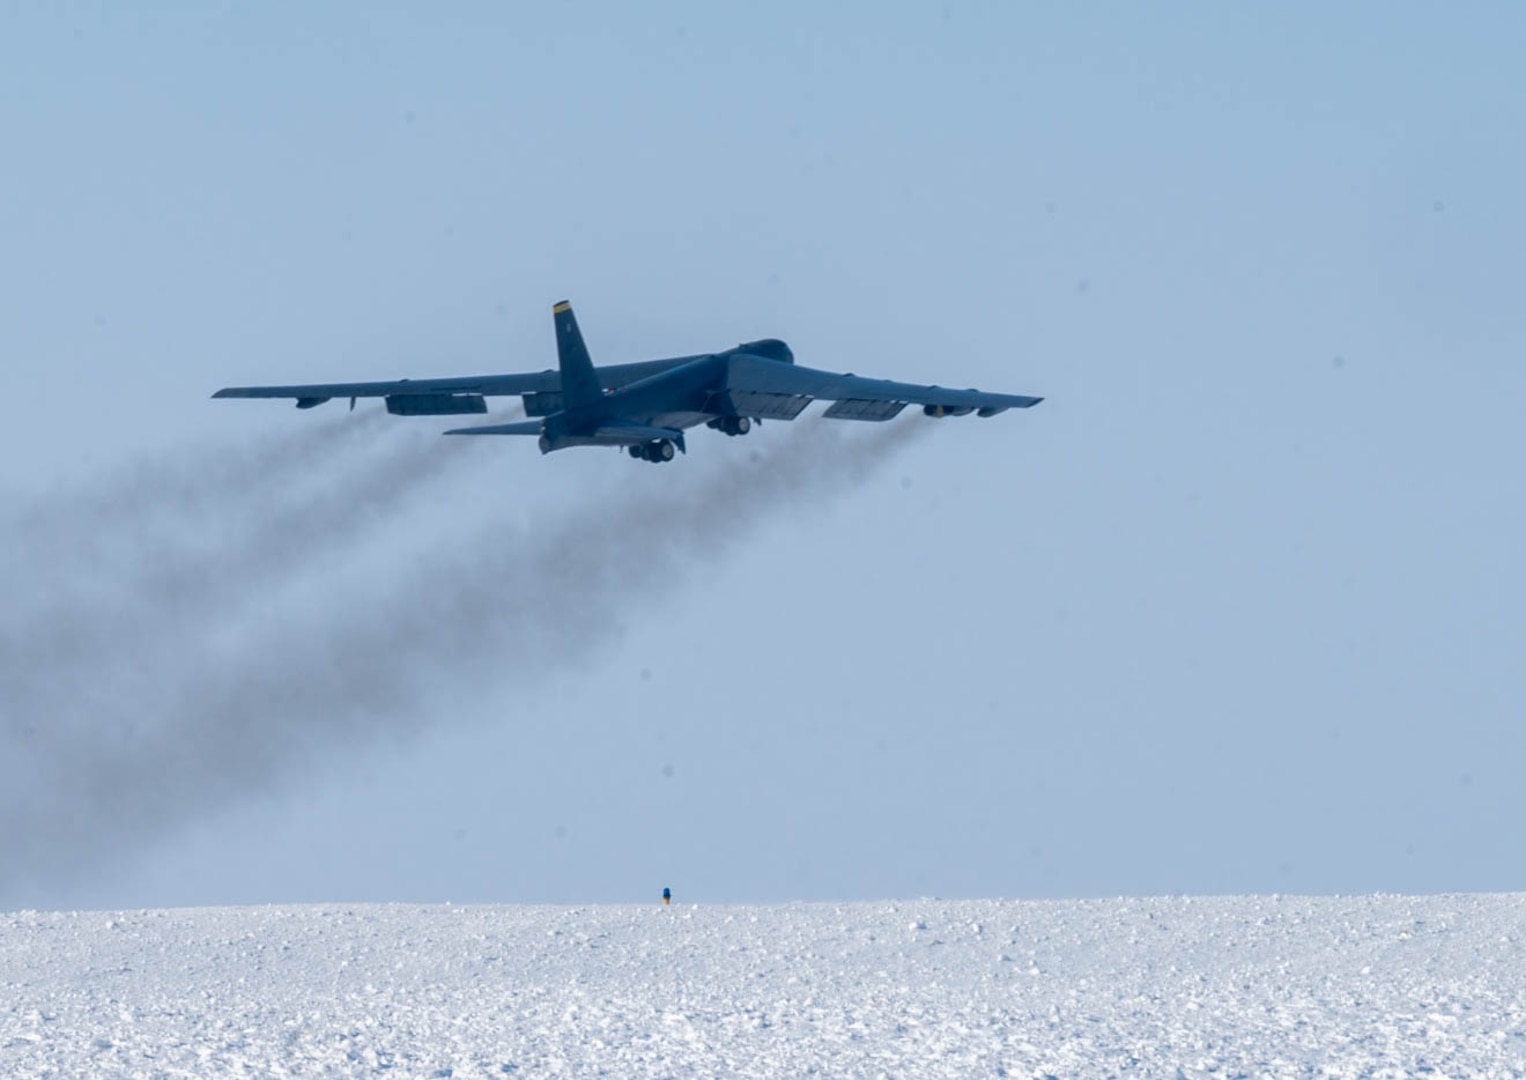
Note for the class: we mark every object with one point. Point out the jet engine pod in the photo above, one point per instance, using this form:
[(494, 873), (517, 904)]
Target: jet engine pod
[(947, 410), (544, 403)]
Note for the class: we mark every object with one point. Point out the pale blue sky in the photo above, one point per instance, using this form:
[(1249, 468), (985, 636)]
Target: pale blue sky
[(1236, 609)]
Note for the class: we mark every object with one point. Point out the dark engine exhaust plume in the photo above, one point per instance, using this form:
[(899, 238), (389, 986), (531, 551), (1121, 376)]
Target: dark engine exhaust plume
[(208, 730), (158, 497), (174, 587)]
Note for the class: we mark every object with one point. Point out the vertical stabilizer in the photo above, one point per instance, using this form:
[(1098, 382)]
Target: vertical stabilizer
[(580, 383)]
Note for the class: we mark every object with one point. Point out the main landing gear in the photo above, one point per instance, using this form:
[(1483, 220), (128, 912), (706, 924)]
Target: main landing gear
[(731, 425), (657, 451)]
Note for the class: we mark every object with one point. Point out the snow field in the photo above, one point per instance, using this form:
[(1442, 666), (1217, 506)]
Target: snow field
[(1192, 987)]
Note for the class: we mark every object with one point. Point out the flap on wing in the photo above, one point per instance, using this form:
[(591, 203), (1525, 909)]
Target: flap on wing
[(434, 404), (862, 409), (757, 403)]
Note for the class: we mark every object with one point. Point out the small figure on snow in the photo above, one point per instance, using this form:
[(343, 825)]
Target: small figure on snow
[(667, 896)]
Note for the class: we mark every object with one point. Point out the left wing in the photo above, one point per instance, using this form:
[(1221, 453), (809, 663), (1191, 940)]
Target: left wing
[(310, 394), (856, 398), (537, 382)]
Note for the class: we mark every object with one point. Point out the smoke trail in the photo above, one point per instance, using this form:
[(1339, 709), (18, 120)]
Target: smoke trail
[(80, 569), (175, 586), (60, 667), (216, 731), (68, 542)]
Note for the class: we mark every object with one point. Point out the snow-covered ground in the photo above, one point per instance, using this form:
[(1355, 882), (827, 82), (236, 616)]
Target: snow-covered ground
[(1260, 986)]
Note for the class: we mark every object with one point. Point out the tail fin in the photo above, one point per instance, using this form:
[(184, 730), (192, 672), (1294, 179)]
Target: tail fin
[(580, 383)]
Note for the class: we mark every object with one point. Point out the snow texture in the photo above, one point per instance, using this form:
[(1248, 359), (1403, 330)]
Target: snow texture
[(1172, 987)]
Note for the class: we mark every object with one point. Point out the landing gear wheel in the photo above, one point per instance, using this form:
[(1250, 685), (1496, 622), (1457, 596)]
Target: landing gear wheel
[(636, 451), (742, 425), (657, 451)]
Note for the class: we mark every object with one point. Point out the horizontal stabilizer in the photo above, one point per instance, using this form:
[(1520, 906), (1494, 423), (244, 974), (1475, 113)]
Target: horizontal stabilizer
[(522, 427), (622, 433)]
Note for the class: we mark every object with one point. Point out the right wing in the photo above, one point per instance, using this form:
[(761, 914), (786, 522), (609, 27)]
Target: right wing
[(854, 397)]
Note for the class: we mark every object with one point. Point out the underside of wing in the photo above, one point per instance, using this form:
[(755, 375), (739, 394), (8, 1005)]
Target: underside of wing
[(856, 398)]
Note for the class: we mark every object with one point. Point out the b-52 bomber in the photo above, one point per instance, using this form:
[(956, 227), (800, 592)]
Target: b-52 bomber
[(646, 406)]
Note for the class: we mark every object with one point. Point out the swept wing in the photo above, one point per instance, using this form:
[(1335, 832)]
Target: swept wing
[(857, 398), (536, 382)]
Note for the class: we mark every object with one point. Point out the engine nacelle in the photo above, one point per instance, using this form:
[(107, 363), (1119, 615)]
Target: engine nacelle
[(947, 410), (544, 402), (435, 404)]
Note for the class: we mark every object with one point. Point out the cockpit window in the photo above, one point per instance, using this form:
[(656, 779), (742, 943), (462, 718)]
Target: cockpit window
[(770, 348)]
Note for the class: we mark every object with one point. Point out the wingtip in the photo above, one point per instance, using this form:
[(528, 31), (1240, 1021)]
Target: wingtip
[(560, 306)]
